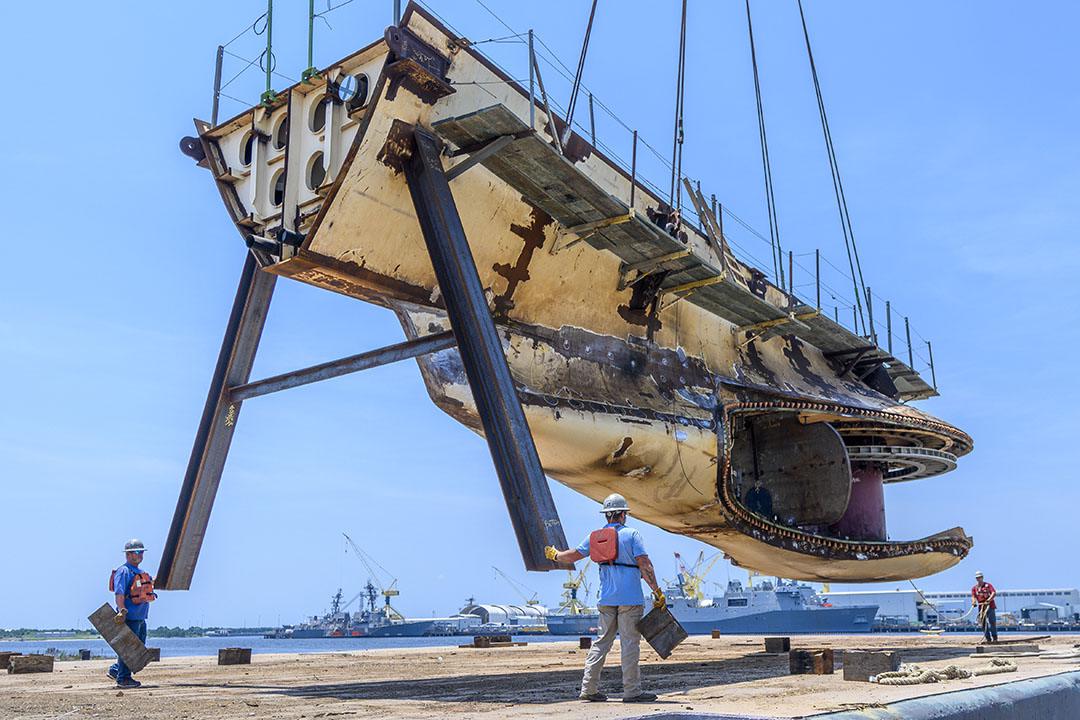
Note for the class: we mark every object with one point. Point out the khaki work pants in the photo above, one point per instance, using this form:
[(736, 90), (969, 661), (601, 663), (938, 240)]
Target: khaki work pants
[(621, 619)]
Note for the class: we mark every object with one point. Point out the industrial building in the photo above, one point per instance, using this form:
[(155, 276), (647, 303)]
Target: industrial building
[(898, 607)]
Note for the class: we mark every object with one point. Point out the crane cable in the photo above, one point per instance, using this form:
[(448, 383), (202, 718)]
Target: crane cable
[(858, 285), (770, 199), (675, 194), (577, 78)]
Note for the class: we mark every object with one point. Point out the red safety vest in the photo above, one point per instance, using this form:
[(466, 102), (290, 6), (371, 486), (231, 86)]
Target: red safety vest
[(142, 588)]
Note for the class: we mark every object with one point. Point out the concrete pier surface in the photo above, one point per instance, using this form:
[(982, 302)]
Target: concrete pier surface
[(730, 676)]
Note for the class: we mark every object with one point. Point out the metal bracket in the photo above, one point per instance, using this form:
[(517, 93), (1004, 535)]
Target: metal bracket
[(480, 155), (767, 325), (571, 236), (645, 268), (852, 356), (690, 288)]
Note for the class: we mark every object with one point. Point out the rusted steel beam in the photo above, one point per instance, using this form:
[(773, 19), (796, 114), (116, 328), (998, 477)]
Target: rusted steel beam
[(344, 366), (525, 488), (216, 428)]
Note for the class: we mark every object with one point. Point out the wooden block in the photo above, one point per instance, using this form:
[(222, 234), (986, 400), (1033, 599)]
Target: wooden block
[(481, 641), (810, 662), (120, 638), (5, 657), (584, 643), (155, 654), (84, 654), (777, 644), (30, 664), (234, 656), (860, 665), (715, 634)]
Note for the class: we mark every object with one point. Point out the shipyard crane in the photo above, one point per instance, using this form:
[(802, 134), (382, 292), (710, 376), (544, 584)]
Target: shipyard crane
[(386, 588), (691, 579), (519, 588), (570, 604)]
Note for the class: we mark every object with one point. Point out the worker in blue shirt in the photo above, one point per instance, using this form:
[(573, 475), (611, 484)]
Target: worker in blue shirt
[(620, 554), (133, 590)]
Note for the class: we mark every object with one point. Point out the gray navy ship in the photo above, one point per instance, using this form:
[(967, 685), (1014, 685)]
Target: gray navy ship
[(780, 607), (768, 607), (372, 621)]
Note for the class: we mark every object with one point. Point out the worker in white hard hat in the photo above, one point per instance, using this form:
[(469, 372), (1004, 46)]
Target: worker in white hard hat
[(134, 591), (619, 552), (982, 596)]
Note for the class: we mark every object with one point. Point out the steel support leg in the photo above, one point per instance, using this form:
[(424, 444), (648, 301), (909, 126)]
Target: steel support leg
[(528, 497), (216, 428)]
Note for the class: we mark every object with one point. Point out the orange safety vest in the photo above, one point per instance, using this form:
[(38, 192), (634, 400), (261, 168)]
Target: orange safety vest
[(142, 588)]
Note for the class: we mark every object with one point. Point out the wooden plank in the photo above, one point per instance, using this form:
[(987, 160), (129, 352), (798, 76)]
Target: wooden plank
[(5, 658), (120, 638), (19, 664)]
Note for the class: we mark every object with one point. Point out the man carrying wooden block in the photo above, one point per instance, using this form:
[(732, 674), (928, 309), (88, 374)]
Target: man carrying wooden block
[(134, 591)]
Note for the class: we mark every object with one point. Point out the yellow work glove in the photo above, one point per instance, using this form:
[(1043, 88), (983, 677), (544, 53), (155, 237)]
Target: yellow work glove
[(121, 616), (659, 600), (550, 552)]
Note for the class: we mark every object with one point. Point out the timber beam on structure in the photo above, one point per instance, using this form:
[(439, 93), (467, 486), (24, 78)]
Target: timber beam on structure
[(214, 435), (525, 488), (345, 366)]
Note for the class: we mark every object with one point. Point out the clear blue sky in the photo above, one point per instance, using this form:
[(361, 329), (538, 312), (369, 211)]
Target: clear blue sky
[(955, 126)]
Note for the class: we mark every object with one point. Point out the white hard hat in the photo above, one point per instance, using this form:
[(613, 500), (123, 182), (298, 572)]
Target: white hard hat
[(134, 545), (978, 573), (615, 503)]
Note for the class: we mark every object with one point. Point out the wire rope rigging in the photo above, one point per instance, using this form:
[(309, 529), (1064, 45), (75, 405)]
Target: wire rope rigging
[(675, 194), (858, 284), (770, 199)]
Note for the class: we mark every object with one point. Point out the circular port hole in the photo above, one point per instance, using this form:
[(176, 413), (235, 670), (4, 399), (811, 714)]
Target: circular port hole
[(316, 172), (247, 148), (281, 132), (277, 195)]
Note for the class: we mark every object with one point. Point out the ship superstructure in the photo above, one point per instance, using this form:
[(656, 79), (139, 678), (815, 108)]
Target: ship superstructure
[(555, 306)]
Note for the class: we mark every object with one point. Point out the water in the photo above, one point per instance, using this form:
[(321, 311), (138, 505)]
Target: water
[(208, 646), (194, 646)]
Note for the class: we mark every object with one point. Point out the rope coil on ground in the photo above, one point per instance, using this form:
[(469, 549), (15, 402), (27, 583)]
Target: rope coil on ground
[(914, 675)]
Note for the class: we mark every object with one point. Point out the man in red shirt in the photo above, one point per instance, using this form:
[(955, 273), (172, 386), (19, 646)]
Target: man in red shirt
[(983, 595)]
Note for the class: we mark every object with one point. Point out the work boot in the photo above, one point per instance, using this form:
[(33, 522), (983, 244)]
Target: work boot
[(641, 697), (595, 697), (112, 673), (128, 684)]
